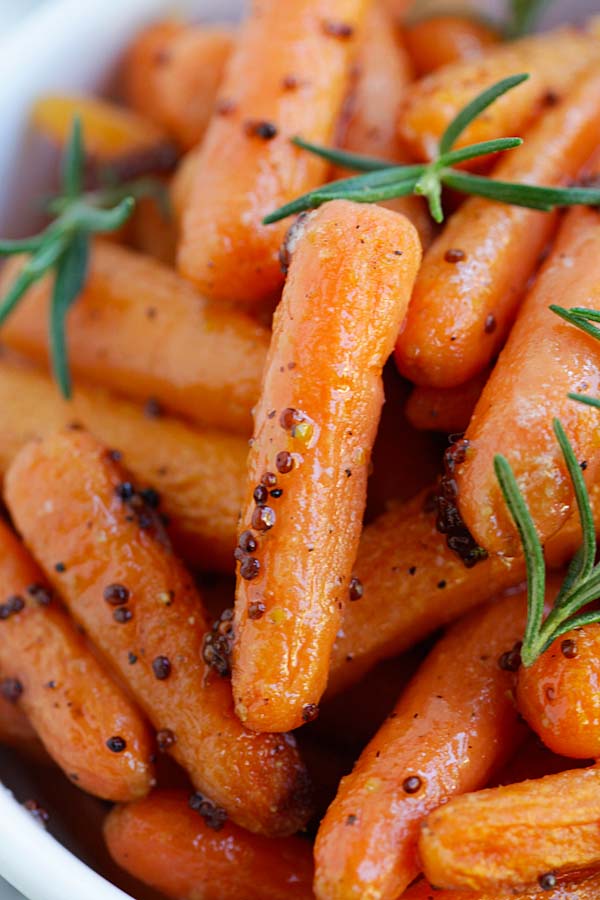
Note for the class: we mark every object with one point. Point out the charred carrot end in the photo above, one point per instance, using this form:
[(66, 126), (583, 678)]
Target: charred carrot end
[(314, 429), (102, 545), (175, 849), (247, 166), (557, 698), (436, 41), (87, 724), (514, 836), (460, 697), (172, 74), (433, 102), (445, 409), (113, 135)]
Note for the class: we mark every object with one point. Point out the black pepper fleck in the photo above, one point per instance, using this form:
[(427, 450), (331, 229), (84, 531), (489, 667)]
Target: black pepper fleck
[(116, 594), (547, 881), (11, 689), (411, 784), (261, 129), (60, 567), (490, 324), (122, 615), (116, 744), (42, 595), (161, 667), (165, 739), (310, 712), (214, 816), (356, 589)]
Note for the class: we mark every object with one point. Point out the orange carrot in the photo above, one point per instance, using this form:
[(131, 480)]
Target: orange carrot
[(544, 359), (86, 722), (382, 71), (557, 695), (575, 887), (433, 102), (199, 474), (181, 183), (103, 547), (168, 845), (513, 836), (445, 409), (475, 274), (452, 727), (439, 40), (172, 74), (139, 328), (287, 76), (314, 429)]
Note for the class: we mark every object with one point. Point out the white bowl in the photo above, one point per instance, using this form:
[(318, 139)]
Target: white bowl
[(72, 45)]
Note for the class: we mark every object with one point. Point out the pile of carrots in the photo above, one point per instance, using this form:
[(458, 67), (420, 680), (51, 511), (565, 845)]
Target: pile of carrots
[(351, 718)]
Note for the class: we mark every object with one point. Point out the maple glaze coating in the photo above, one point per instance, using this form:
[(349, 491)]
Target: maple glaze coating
[(168, 846), (289, 71), (70, 502), (349, 281)]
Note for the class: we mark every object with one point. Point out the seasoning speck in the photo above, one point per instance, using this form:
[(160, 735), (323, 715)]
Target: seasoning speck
[(214, 816), (341, 30), (249, 568), (310, 712), (284, 462), (161, 667), (261, 129), (40, 594), (547, 881), (116, 744), (490, 324), (356, 589), (38, 812), (411, 784), (454, 255), (256, 609), (263, 518), (11, 689), (122, 615), (116, 594), (569, 648), (60, 567), (165, 739)]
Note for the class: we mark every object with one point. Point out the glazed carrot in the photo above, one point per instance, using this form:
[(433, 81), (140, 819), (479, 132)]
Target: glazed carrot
[(558, 697), (86, 722), (123, 584), (543, 360), (412, 584), (475, 274), (513, 836), (141, 329), (349, 281), (439, 40), (168, 846), (452, 727), (445, 409), (575, 887), (199, 474), (181, 183), (172, 74), (288, 75), (114, 136), (382, 71), (433, 102)]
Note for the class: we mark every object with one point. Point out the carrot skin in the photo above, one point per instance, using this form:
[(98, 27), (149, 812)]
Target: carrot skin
[(296, 86), (445, 409), (141, 330), (507, 837), (575, 887), (72, 703), (437, 41), (461, 311), (348, 285), (169, 846), (55, 489)]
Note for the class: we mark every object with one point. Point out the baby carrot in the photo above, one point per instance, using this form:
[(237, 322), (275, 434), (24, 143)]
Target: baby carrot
[(474, 275), (439, 40), (432, 103), (573, 887), (516, 835), (172, 74), (543, 360), (445, 409), (367, 125), (166, 844), (557, 695), (103, 547), (199, 474), (85, 721), (452, 727), (180, 187), (288, 75), (139, 328), (348, 285)]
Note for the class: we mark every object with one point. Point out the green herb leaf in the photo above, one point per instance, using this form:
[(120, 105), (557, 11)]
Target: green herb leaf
[(357, 161), (24, 245), (73, 162), (583, 398), (472, 151), (476, 107), (580, 318), (69, 280), (524, 15)]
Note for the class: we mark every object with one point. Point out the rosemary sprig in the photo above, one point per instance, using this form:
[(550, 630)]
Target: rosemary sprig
[(582, 582), (63, 247), (580, 317), (381, 180), (523, 16)]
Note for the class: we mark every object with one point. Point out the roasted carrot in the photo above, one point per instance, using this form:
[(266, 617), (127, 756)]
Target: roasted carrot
[(199, 474), (438, 40), (514, 836), (172, 848), (382, 71), (452, 727), (142, 330), (445, 409), (557, 695), (574, 887), (288, 75), (172, 74), (86, 722), (432, 103), (475, 274), (104, 548), (544, 359), (114, 137), (349, 281)]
